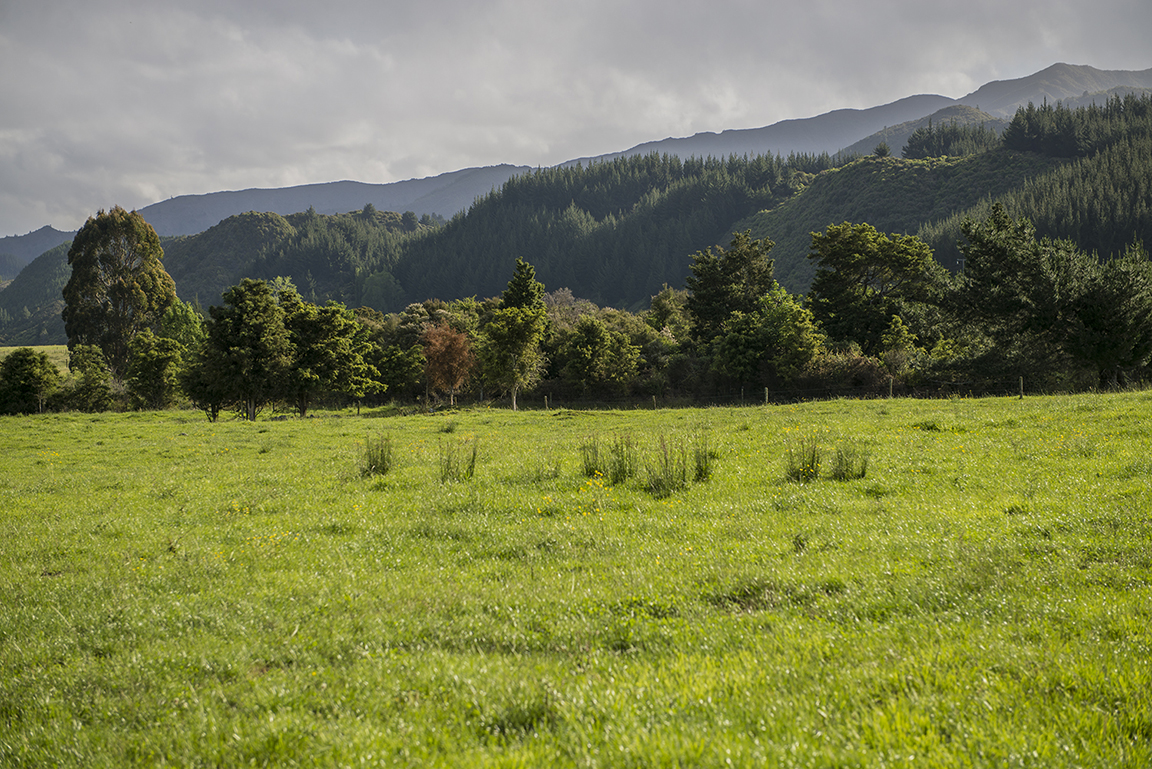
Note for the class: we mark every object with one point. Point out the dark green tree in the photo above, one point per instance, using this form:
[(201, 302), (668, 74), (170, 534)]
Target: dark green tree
[(863, 278), (724, 281), (524, 291), (27, 379), (118, 285), (248, 349), (597, 359), (154, 366), (332, 353), (769, 347)]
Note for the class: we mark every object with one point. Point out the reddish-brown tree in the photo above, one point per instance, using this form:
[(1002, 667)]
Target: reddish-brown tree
[(448, 359)]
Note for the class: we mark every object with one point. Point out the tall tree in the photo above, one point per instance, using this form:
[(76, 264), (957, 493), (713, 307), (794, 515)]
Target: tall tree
[(510, 354), (524, 291), (331, 352), (118, 285), (724, 281)]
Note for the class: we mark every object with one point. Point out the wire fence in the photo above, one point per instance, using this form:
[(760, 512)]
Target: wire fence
[(766, 396)]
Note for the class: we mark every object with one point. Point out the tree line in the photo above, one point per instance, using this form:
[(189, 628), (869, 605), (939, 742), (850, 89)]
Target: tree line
[(881, 312)]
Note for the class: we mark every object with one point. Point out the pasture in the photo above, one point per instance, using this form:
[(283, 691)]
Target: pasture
[(177, 592)]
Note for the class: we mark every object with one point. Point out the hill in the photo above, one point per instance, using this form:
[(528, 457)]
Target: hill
[(442, 195), (896, 136)]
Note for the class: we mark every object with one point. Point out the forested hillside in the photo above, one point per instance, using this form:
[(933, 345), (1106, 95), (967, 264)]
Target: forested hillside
[(615, 232)]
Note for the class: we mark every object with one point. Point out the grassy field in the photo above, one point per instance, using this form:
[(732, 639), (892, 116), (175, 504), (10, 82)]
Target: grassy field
[(175, 592), (57, 353)]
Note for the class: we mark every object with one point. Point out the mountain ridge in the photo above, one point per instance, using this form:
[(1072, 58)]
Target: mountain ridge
[(452, 192)]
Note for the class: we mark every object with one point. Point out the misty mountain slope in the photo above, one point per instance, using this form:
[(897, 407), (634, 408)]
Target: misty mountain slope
[(24, 248), (443, 195), (1060, 81), (30, 306), (823, 133)]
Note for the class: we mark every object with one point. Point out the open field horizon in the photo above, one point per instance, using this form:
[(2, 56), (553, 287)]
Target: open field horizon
[(174, 591)]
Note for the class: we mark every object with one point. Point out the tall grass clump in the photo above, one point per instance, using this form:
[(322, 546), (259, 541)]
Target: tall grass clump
[(703, 458), (623, 460), (591, 463), (849, 463), (668, 472), (458, 466), (379, 457), (803, 461)]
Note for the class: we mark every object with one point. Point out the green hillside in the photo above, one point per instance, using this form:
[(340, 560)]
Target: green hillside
[(891, 194)]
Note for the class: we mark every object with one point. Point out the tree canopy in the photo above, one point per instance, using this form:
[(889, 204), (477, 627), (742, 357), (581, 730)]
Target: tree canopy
[(118, 285)]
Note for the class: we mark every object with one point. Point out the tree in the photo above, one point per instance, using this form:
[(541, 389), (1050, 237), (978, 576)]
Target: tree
[(770, 346), (727, 281), (510, 355), (154, 366), (331, 352), (27, 379), (182, 323), (248, 350), (1113, 329), (118, 286), (882, 150), (523, 291), (1028, 296), (863, 278), (90, 381), (598, 359), (448, 359)]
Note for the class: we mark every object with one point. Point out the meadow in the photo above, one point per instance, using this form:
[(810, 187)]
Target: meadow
[(453, 589)]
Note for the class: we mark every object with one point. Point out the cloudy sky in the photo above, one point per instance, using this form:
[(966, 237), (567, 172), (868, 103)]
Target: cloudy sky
[(119, 102)]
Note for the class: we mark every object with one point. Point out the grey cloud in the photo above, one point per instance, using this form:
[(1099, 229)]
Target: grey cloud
[(111, 102)]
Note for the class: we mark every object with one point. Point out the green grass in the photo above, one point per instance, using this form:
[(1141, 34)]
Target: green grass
[(57, 353), (175, 592)]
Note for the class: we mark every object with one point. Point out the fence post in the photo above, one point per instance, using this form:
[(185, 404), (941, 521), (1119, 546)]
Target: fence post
[(1021, 388), (653, 402), (765, 396), (891, 379)]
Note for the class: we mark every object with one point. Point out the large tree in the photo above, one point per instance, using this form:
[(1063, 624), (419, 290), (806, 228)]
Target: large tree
[(118, 285), (864, 278), (724, 281), (331, 352)]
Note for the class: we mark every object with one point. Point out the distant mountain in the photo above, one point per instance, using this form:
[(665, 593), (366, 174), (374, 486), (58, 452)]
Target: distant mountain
[(1056, 83), (823, 133), (22, 249), (443, 195)]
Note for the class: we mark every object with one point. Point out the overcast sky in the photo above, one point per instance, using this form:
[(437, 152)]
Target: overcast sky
[(115, 102)]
